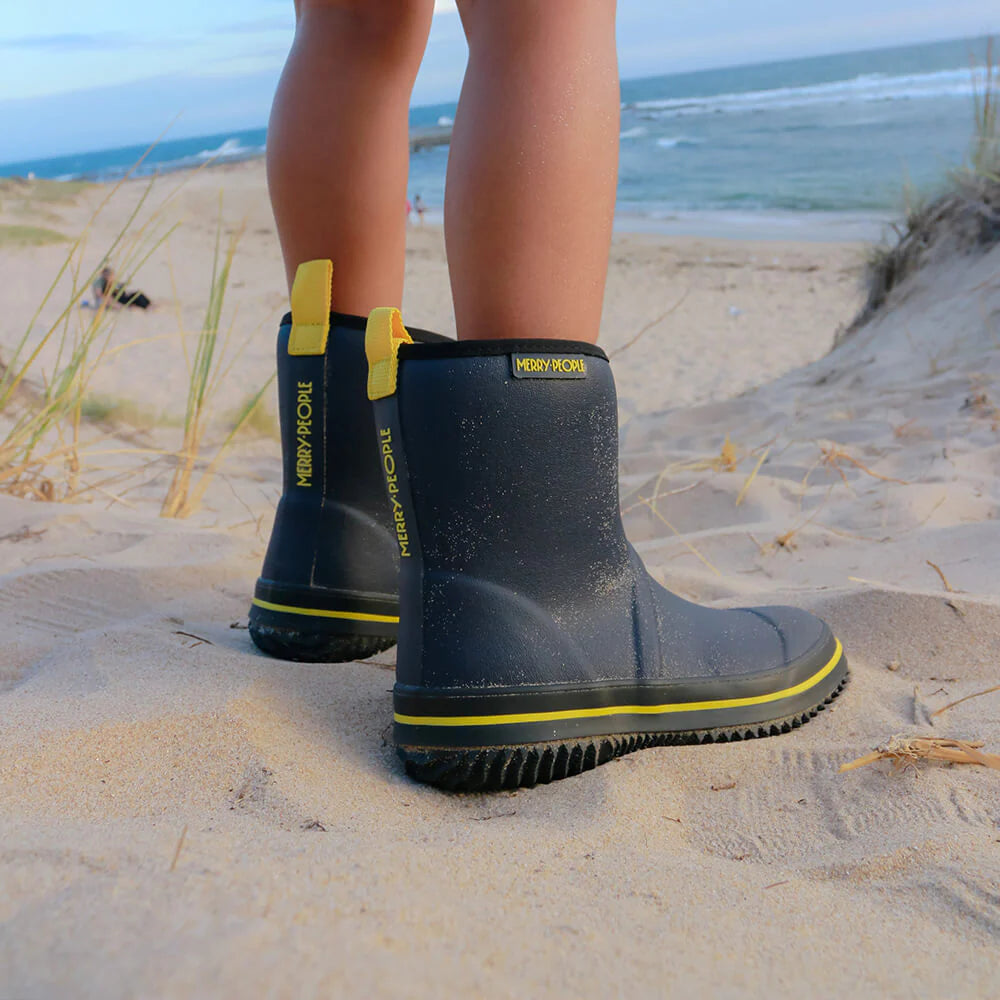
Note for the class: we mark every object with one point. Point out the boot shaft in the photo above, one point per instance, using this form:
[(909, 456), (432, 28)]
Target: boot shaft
[(332, 526), (328, 587), (495, 460), (501, 462), (325, 417)]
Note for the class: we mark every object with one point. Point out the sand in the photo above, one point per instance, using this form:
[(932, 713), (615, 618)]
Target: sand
[(181, 816)]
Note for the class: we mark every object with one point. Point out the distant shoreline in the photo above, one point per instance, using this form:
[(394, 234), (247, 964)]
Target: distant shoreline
[(764, 227), (792, 227), (656, 220), (421, 138)]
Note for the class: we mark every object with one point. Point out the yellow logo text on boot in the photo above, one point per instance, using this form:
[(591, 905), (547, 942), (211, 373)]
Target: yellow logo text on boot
[(311, 299), (547, 366), (392, 484), (383, 336), (303, 434)]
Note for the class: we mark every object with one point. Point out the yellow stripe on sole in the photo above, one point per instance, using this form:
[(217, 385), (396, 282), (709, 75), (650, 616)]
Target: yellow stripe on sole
[(355, 616), (593, 713)]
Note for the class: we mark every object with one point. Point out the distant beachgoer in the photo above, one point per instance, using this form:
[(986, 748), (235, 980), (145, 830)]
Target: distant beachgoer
[(105, 288), (409, 209), (418, 204)]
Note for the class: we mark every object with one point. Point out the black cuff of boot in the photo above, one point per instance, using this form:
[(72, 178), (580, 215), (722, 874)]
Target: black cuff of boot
[(492, 348), (351, 322)]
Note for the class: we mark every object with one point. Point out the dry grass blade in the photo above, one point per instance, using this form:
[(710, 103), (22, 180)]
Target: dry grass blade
[(906, 751), (680, 537), (968, 697), (833, 454), (940, 572), (649, 326), (728, 459), (752, 476), (178, 848), (209, 367), (200, 371), (661, 496)]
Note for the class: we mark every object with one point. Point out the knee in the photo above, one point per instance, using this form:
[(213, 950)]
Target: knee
[(387, 29)]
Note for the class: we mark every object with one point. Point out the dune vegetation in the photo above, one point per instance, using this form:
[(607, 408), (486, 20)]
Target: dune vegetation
[(963, 216)]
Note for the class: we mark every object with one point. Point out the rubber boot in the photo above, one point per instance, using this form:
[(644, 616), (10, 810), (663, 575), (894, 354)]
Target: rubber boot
[(533, 644), (328, 588)]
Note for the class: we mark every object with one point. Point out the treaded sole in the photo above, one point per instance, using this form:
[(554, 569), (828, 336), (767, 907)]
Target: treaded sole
[(315, 647), (494, 769)]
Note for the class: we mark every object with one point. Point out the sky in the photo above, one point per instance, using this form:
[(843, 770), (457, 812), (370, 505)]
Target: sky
[(77, 76)]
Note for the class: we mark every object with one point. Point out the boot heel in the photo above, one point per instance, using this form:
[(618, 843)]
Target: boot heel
[(313, 647), (320, 625)]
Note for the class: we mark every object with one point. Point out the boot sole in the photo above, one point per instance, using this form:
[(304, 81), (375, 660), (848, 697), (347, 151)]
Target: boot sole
[(321, 626), (496, 769), (487, 768), (312, 647)]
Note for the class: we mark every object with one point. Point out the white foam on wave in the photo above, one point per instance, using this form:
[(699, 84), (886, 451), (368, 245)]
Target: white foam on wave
[(676, 142), (633, 133), (862, 89), (228, 149)]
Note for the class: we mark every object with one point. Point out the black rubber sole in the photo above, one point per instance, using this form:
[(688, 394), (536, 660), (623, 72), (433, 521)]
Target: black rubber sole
[(494, 769), (317, 647)]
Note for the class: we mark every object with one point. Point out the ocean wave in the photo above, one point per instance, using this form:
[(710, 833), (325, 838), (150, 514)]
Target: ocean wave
[(227, 150), (861, 89), (677, 142), (633, 133)]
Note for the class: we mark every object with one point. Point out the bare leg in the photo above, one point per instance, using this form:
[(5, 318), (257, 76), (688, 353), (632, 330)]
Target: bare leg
[(337, 143), (533, 169)]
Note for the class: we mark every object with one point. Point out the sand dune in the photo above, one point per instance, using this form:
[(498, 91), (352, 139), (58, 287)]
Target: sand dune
[(182, 816)]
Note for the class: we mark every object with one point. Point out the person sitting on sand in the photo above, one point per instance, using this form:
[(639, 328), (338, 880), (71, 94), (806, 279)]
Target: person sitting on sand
[(105, 289)]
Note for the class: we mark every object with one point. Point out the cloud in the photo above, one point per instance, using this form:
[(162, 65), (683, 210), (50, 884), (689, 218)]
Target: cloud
[(78, 42), (134, 113)]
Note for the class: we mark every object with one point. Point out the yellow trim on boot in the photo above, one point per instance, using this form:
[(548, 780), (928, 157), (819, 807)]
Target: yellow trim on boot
[(354, 616), (383, 336), (606, 710), (312, 295)]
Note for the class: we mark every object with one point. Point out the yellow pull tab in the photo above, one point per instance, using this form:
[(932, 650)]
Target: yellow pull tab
[(383, 335), (311, 295)]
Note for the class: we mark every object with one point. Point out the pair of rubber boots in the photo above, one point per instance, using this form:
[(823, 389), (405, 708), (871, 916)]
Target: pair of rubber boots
[(532, 643)]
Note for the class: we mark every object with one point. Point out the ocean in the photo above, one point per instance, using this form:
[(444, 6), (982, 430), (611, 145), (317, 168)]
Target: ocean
[(842, 133)]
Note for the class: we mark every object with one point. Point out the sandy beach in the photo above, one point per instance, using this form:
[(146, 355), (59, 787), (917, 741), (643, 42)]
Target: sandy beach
[(181, 816)]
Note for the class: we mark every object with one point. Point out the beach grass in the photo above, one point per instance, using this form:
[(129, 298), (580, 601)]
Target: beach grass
[(29, 236), (255, 417), (208, 367), (115, 411), (43, 409), (51, 423), (963, 216), (41, 189)]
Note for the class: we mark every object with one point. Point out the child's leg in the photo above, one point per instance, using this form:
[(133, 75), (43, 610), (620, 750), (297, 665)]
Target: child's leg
[(533, 168), (337, 143)]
